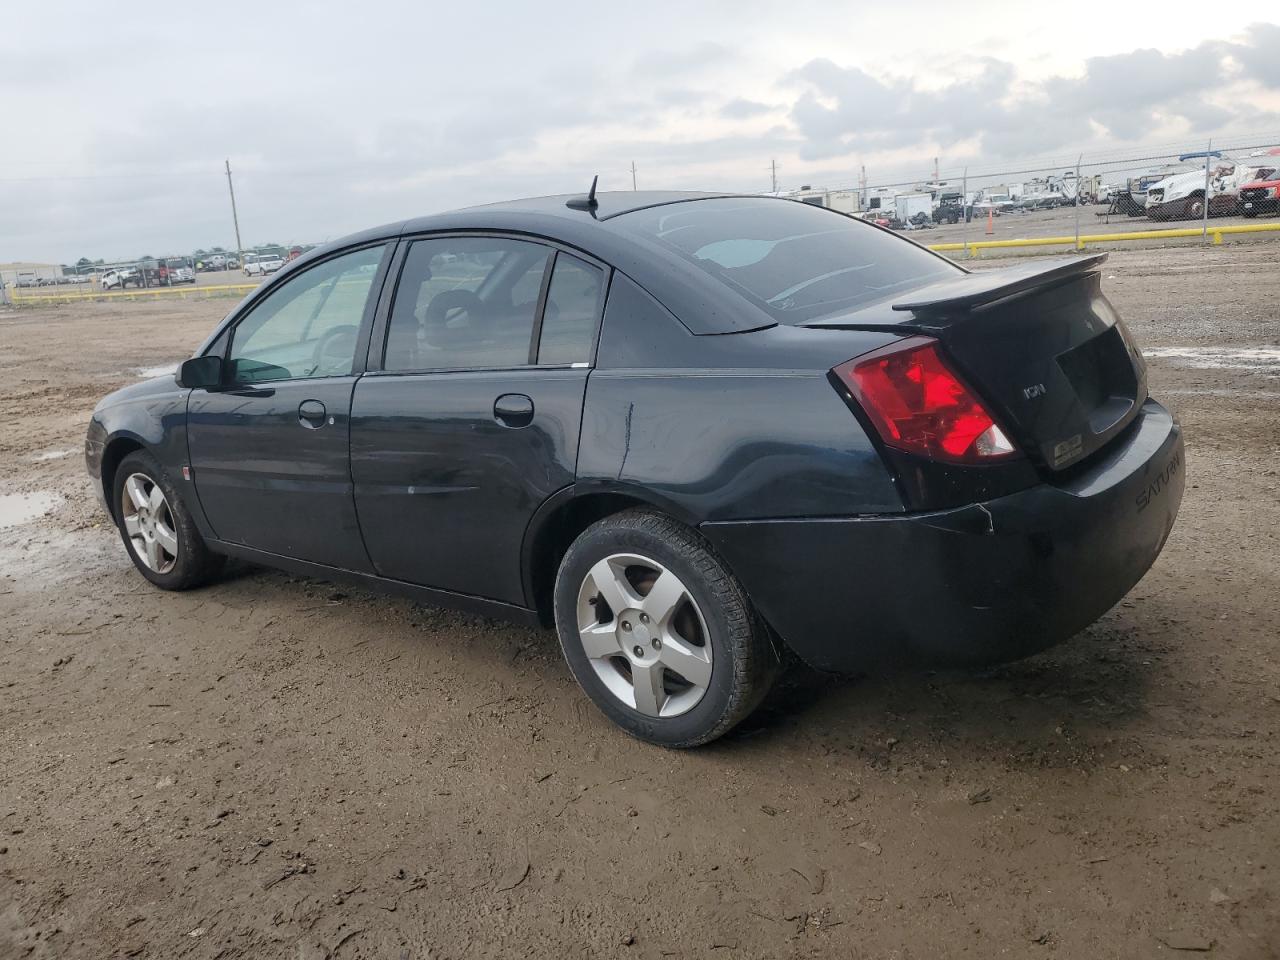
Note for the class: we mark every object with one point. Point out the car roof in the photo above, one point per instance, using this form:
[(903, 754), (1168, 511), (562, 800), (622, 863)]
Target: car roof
[(702, 303), (609, 204)]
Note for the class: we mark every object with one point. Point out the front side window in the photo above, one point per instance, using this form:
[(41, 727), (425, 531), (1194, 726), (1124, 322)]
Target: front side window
[(465, 303), (794, 261), (569, 320), (308, 326)]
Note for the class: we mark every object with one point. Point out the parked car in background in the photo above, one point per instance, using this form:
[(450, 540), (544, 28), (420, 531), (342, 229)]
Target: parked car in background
[(996, 204), (1261, 195), (687, 430), (261, 264), (119, 278)]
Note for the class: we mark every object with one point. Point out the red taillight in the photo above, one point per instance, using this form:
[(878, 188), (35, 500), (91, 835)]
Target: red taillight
[(919, 406)]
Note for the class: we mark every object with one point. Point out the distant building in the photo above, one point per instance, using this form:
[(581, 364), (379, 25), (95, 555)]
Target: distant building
[(11, 273)]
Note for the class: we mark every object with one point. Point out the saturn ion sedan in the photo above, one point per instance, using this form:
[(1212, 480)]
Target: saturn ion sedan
[(695, 433)]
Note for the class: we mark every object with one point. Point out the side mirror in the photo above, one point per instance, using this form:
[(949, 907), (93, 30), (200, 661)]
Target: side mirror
[(203, 372)]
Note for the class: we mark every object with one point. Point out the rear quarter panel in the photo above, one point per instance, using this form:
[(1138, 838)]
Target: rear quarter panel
[(734, 426)]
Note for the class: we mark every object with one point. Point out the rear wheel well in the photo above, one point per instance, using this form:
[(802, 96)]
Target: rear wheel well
[(557, 533), (116, 451)]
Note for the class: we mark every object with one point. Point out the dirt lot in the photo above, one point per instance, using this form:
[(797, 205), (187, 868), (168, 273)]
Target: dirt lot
[(276, 767)]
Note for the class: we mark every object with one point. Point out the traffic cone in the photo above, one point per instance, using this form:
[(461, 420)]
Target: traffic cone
[(991, 222)]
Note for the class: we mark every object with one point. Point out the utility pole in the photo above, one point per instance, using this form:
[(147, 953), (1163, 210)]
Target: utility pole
[(633, 174), (773, 174), (935, 169), (234, 217)]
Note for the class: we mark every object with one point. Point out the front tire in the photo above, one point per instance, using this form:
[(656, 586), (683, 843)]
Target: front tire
[(658, 633), (158, 532)]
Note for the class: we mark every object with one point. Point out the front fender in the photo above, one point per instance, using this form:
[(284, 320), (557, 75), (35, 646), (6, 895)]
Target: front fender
[(152, 416)]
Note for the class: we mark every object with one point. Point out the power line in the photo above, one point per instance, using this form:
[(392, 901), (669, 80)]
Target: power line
[(1113, 164)]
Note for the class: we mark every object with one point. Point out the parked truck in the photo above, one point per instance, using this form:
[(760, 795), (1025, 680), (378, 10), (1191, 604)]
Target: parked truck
[(1183, 196)]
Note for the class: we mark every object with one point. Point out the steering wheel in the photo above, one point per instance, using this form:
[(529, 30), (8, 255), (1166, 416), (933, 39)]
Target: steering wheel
[(448, 306), (327, 340)]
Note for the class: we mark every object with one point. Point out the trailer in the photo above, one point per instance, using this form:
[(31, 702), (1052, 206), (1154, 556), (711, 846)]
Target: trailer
[(913, 209), (844, 201)]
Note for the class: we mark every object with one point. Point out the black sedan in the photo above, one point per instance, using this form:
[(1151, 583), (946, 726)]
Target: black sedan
[(691, 431)]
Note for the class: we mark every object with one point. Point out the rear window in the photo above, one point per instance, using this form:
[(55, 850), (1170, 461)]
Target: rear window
[(795, 261)]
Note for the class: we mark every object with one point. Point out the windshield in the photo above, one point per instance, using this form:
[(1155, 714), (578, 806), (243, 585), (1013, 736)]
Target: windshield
[(793, 260)]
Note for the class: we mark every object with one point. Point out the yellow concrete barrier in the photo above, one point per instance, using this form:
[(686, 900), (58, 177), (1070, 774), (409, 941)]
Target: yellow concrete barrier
[(152, 292), (977, 246)]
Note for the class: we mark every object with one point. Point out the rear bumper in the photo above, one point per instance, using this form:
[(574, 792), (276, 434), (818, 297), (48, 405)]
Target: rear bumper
[(978, 584)]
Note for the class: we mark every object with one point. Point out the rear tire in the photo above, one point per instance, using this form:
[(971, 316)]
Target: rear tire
[(157, 530), (686, 657)]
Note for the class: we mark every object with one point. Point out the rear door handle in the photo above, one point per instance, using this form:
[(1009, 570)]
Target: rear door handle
[(513, 410), (311, 414)]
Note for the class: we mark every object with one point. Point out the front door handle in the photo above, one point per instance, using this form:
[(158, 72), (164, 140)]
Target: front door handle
[(513, 410), (311, 414)]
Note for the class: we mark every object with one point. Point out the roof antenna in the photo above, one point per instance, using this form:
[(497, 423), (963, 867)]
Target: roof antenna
[(589, 202)]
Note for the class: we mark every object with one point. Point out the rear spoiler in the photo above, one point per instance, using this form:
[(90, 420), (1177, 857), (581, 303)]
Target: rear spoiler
[(974, 289)]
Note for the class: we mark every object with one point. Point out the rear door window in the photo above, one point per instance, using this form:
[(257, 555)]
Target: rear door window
[(466, 303)]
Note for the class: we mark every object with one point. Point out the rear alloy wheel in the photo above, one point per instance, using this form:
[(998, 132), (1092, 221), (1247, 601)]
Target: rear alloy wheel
[(156, 528), (658, 633), (644, 635)]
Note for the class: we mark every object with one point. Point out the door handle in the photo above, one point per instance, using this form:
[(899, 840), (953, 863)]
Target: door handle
[(513, 410), (311, 414)]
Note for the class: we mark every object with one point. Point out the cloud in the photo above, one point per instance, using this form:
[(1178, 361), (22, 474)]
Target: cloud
[(843, 110), (120, 133), (1260, 56), (739, 108), (664, 64)]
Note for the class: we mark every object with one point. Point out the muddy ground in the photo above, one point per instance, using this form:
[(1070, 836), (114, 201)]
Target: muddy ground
[(277, 767)]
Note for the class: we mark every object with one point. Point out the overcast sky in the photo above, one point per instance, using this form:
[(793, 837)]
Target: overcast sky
[(340, 115)]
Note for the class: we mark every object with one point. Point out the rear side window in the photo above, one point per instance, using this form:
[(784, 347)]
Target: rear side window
[(795, 261), (465, 303), (573, 304)]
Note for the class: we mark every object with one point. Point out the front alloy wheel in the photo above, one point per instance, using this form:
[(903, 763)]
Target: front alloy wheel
[(148, 523), (157, 530)]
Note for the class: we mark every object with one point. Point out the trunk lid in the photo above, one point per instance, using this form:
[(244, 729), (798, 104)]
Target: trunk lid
[(1041, 345)]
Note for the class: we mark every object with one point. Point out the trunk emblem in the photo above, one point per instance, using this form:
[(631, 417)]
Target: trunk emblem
[(1068, 450), (1033, 391)]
